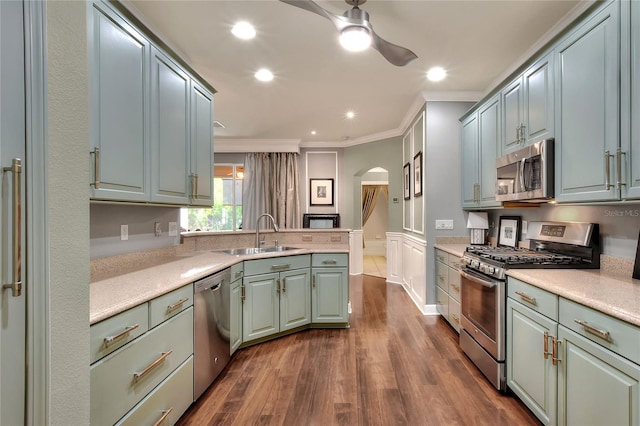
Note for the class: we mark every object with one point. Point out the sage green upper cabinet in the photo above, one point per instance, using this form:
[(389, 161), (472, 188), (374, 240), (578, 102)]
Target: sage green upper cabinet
[(201, 146), (587, 108), (538, 100), (632, 143), (169, 130), (527, 106), (470, 155), (480, 142), (119, 106), (489, 140), (512, 98)]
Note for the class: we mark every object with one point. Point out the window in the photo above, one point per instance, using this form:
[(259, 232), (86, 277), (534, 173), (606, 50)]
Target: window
[(226, 213)]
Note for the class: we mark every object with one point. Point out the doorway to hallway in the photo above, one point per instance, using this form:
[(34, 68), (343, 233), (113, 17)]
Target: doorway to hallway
[(375, 220)]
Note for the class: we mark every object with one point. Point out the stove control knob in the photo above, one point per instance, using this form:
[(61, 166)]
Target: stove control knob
[(475, 264), (491, 270)]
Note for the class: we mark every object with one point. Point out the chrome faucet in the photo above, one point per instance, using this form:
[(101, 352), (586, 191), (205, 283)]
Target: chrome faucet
[(273, 221)]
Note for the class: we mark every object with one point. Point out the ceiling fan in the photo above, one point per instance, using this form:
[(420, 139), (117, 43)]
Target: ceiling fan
[(356, 32)]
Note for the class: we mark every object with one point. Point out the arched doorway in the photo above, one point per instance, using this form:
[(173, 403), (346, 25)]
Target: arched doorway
[(375, 220)]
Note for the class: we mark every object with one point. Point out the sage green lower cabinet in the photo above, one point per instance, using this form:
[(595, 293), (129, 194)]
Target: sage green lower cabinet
[(330, 288), (235, 326), (596, 386), (277, 301), (530, 374), (448, 287)]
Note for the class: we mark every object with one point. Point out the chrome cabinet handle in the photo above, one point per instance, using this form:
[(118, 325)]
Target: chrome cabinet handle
[(242, 293), (96, 167), (165, 414), (176, 305), (603, 334), (110, 339), (16, 235), (619, 154), (139, 376), (281, 267), (194, 183), (607, 170), (314, 280), (522, 136), (329, 262), (278, 286), (527, 298), (476, 188)]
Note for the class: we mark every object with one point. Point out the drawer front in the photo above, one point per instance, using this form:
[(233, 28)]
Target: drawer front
[(112, 333), (614, 334), (171, 304), (442, 302), (276, 264), (454, 262), (237, 271), (114, 388), (533, 297), (442, 275), (330, 259), (167, 402), (454, 284), (442, 256), (454, 313)]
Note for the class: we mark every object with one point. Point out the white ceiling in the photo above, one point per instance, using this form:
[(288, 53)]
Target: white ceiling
[(478, 42)]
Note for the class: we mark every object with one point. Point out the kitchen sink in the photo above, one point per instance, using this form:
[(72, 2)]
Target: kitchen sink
[(245, 251)]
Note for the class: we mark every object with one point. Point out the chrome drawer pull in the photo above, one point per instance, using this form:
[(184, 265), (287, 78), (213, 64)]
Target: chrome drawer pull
[(176, 305), (283, 266), (109, 340), (329, 262), (16, 233), (165, 414), (139, 376), (603, 334), (527, 298), (96, 167)]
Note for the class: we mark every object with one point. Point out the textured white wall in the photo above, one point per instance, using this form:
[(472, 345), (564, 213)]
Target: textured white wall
[(68, 211)]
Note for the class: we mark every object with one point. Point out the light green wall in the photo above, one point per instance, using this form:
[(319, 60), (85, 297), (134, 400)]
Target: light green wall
[(358, 160), (67, 169)]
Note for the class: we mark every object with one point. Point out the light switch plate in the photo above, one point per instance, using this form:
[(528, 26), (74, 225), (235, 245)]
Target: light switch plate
[(173, 229), (444, 224), (157, 230), (525, 227)]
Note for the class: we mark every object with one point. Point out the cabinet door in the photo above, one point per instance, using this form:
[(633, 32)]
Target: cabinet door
[(596, 387), (295, 299), (235, 309), (489, 140), (529, 375), (587, 109), (169, 131), (119, 104), (201, 146), (470, 152), (512, 116), (330, 296), (538, 100), (632, 175), (442, 302), (261, 311)]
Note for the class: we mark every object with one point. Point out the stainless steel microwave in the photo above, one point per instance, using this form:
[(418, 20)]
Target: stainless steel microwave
[(526, 174), (321, 220)]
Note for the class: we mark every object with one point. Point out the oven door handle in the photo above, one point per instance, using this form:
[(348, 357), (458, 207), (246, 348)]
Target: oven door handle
[(478, 279)]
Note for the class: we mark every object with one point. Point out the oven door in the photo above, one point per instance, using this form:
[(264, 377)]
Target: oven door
[(483, 310)]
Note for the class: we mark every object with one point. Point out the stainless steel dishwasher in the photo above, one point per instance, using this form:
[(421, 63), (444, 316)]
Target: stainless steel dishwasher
[(211, 329)]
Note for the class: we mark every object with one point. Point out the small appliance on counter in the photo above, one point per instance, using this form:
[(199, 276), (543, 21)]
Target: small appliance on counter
[(321, 220), (478, 223)]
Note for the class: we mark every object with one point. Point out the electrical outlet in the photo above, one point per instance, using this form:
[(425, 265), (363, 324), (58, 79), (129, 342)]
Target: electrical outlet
[(525, 227), (124, 232), (173, 229), (444, 224), (158, 230)]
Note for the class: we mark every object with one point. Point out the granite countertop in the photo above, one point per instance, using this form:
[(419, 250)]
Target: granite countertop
[(455, 249), (116, 294), (615, 296)]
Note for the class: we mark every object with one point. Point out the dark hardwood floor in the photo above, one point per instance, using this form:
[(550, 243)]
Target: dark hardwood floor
[(394, 366)]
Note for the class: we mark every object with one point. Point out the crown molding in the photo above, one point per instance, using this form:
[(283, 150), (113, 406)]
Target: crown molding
[(461, 96), (256, 145)]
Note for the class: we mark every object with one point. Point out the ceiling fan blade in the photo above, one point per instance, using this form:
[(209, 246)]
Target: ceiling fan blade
[(397, 55), (311, 7)]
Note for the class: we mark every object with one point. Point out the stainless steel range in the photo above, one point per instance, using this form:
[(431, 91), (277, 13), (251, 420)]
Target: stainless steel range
[(483, 285)]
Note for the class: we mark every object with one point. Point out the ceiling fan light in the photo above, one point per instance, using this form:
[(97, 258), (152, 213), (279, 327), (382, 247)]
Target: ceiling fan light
[(355, 38)]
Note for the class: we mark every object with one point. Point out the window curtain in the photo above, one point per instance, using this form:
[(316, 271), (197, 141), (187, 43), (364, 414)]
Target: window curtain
[(370, 195), (270, 185)]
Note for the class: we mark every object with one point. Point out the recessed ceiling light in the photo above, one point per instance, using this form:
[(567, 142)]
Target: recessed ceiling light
[(436, 74), (243, 30), (350, 114), (264, 74), (313, 132)]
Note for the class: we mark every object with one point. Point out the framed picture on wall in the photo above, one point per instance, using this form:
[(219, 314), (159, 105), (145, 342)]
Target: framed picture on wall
[(417, 173), (321, 192), (407, 180), (509, 232)]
